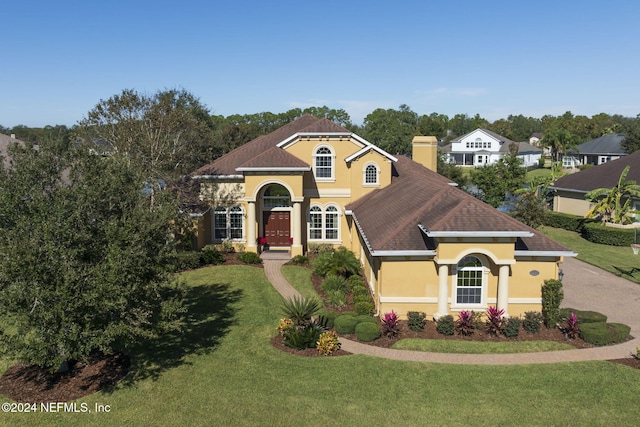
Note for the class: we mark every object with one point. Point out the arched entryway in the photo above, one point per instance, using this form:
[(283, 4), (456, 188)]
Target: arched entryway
[(276, 216)]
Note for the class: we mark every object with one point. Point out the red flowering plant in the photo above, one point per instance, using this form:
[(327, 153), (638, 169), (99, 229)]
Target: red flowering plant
[(494, 320), (465, 323), (390, 324), (262, 240)]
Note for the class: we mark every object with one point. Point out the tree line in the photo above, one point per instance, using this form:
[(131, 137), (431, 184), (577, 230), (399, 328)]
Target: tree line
[(174, 125)]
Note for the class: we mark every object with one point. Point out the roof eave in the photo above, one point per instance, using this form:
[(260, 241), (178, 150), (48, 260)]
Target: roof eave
[(546, 253), (217, 176), (274, 169)]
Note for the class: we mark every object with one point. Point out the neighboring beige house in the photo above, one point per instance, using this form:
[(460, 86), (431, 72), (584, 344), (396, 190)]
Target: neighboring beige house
[(570, 190), (424, 244)]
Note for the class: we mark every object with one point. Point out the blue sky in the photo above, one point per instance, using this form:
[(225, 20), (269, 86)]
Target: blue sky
[(494, 58)]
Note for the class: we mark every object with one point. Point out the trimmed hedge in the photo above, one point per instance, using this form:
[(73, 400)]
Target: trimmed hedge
[(366, 331), (249, 257), (363, 307), (366, 318), (604, 333), (345, 324), (604, 235), (565, 221), (584, 316)]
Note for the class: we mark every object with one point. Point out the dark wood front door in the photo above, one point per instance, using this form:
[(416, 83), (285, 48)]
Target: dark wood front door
[(276, 228)]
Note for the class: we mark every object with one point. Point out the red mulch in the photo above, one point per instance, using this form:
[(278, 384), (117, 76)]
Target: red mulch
[(31, 384)]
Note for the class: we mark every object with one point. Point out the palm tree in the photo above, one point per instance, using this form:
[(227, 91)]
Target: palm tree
[(614, 204), (559, 140)]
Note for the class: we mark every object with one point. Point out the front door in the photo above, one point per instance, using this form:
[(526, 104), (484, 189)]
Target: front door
[(276, 228)]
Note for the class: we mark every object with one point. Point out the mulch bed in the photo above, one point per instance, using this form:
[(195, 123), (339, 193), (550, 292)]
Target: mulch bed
[(31, 384)]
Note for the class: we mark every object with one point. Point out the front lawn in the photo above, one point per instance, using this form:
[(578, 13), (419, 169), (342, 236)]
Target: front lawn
[(223, 371), (618, 260)]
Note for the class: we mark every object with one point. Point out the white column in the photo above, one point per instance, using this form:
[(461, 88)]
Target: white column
[(252, 245), (503, 289), (443, 291), (296, 247)]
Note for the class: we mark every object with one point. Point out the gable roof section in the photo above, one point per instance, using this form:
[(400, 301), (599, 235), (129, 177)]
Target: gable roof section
[(489, 133), (227, 164), (609, 144), (393, 218), (603, 176)]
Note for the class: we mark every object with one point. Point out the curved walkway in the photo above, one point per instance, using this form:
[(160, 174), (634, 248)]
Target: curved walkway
[(273, 263)]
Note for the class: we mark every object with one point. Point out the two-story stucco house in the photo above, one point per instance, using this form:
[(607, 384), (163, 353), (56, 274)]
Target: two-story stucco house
[(424, 244), (483, 147)]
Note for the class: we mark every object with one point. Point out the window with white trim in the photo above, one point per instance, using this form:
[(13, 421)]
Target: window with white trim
[(315, 223), (228, 223), (469, 281), (324, 224), (323, 163), (371, 174)]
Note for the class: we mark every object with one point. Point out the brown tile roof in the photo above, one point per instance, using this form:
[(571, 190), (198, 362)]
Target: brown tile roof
[(389, 217), (602, 176), (254, 153)]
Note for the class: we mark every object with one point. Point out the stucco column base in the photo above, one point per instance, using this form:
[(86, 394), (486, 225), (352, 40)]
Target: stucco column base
[(437, 316), (296, 250), (252, 248)]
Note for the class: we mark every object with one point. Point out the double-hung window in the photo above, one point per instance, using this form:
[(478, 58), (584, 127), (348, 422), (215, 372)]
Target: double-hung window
[(324, 224), (324, 163), (228, 223), (469, 282)]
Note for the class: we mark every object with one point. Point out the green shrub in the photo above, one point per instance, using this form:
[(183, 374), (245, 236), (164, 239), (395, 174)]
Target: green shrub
[(552, 296), (336, 298), (363, 307), (532, 321), (302, 337), (249, 257), (300, 260), (319, 248), (445, 325), (511, 327), (333, 282), (359, 290), (366, 318), (211, 256), (604, 333), (366, 331), (416, 320), (584, 316), (342, 263), (327, 317), (345, 324), (181, 261), (348, 313), (565, 221), (355, 281), (361, 298), (225, 247), (300, 310), (611, 236)]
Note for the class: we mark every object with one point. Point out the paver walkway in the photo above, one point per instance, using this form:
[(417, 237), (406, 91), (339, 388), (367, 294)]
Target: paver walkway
[(574, 285)]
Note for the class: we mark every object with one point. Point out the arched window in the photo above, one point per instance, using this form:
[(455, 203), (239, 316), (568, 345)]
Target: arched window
[(324, 224), (469, 282), (276, 196), (371, 174), (324, 163), (228, 223)]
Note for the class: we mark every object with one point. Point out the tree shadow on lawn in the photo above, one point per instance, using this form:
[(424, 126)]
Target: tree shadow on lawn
[(630, 272), (210, 312)]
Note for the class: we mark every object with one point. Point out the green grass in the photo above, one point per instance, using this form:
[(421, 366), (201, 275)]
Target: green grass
[(300, 278), (618, 260), (476, 347), (540, 172), (223, 371)]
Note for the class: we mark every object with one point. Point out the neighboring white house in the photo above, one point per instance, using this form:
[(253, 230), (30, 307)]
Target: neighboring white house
[(483, 147)]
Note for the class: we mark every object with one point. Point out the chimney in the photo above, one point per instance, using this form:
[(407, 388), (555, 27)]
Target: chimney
[(425, 151)]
